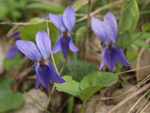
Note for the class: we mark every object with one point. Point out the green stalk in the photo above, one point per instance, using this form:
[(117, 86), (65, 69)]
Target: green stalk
[(70, 104), (136, 38), (52, 101), (83, 105), (37, 102)]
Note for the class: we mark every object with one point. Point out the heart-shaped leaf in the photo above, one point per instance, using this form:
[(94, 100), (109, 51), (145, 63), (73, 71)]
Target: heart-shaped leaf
[(8, 99), (89, 85), (77, 68)]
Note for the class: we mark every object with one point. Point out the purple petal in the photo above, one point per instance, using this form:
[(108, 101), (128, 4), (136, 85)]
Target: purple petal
[(111, 58), (102, 31), (57, 20), (65, 45), (57, 46), (121, 57), (43, 74), (37, 82), (110, 19), (69, 18), (72, 47), (103, 57), (16, 36), (44, 44), (54, 76), (12, 51), (29, 49)]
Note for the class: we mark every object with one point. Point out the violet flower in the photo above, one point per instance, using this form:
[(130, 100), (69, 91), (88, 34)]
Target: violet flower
[(107, 32), (64, 24), (40, 53), (13, 49)]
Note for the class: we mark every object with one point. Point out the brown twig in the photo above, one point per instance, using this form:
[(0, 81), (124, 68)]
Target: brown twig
[(145, 107), (138, 77), (143, 104), (11, 31), (87, 26), (17, 23), (137, 102), (100, 9), (132, 70), (130, 97), (61, 70)]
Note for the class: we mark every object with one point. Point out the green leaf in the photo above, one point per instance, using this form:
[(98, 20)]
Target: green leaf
[(28, 32), (134, 9), (124, 40), (129, 18), (79, 34), (145, 27), (131, 56), (77, 68), (95, 81), (70, 86), (144, 36), (89, 85), (13, 62), (46, 7), (127, 22), (141, 43), (8, 99), (134, 47)]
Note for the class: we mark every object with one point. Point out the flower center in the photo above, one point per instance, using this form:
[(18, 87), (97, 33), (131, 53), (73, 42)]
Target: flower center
[(109, 45), (41, 62), (65, 33)]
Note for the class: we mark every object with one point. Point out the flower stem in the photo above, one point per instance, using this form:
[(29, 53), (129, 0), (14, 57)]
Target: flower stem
[(136, 38), (70, 104), (83, 105), (52, 101), (62, 68)]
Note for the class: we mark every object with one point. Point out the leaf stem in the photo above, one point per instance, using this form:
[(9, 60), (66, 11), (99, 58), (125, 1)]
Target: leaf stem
[(136, 38), (83, 105), (70, 104), (37, 102), (52, 101)]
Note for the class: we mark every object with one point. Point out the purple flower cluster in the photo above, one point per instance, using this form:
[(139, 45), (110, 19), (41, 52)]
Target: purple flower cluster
[(106, 31)]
